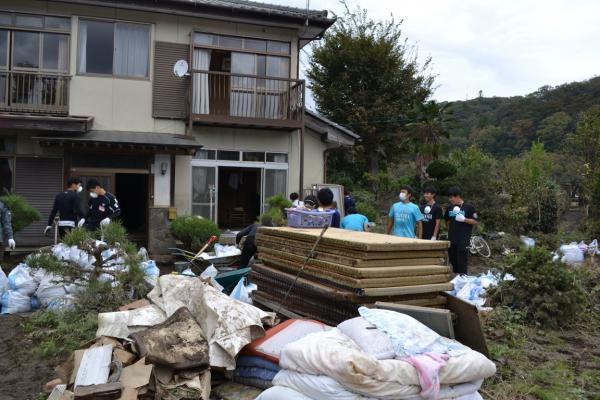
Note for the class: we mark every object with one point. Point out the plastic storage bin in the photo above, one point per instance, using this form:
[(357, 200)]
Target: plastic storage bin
[(298, 218)]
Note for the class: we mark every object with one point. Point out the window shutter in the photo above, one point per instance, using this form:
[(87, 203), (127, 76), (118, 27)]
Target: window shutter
[(169, 91)]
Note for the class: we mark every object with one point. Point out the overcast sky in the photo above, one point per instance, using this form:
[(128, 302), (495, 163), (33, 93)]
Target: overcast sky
[(503, 48)]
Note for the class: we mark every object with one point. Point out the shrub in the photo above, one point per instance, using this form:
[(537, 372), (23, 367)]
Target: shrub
[(23, 214), (193, 231), (276, 210), (278, 201), (547, 292), (366, 204), (440, 169)]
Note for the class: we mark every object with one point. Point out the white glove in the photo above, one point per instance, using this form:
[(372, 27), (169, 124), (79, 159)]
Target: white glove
[(460, 217), (47, 230), (12, 244), (105, 221), (433, 238), (81, 222)]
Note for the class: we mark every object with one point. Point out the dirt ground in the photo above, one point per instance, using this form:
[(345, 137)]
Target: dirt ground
[(23, 376)]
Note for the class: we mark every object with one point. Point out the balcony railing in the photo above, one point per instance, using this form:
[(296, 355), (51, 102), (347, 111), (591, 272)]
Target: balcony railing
[(226, 98), (34, 92)]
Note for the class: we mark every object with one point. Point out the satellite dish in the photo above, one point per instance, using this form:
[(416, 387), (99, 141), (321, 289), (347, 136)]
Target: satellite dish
[(180, 68)]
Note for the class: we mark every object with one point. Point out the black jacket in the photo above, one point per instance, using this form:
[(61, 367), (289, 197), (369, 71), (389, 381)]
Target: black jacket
[(250, 232), (102, 207), (68, 207)]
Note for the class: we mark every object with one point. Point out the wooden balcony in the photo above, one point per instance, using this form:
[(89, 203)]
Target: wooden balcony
[(34, 93), (220, 98)]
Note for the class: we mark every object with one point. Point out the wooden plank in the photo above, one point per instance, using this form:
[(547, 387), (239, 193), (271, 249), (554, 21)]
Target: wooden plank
[(303, 249), (396, 291), (105, 391), (467, 326), (438, 320)]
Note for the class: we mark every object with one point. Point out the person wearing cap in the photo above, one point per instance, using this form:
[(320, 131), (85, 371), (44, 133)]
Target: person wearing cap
[(460, 218), (103, 206), (432, 213), (67, 205)]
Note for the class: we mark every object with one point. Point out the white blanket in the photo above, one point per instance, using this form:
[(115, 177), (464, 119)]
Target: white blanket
[(333, 354)]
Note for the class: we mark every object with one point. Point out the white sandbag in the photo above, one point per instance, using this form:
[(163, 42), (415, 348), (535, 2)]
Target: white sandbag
[(151, 273), (370, 339), (571, 254), (226, 250), (281, 393), (527, 241), (14, 302), (51, 288), (3, 282), (240, 292), (21, 279)]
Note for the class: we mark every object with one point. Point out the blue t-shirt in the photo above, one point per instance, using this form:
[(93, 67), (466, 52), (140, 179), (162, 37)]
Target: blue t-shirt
[(405, 218), (354, 222)]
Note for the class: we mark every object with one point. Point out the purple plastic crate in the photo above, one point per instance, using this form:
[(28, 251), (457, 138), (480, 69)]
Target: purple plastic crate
[(299, 218)]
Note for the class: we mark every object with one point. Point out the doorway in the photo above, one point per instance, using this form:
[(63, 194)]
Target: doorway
[(132, 191), (239, 196)]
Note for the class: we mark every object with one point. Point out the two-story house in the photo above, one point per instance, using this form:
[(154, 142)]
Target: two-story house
[(87, 88)]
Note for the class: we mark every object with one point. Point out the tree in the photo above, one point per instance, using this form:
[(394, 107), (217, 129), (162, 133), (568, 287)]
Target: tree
[(554, 129), (364, 75)]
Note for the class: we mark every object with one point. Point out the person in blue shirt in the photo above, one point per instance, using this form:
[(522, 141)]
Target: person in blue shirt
[(325, 197), (404, 216), (353, 221)]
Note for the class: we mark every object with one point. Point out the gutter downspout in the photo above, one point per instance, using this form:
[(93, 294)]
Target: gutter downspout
[(301, 179)]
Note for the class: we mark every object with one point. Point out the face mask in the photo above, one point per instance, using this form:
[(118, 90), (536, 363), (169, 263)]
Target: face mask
[(93, 195), (79, 189), (402, 196), (427, 210), (456, 209)]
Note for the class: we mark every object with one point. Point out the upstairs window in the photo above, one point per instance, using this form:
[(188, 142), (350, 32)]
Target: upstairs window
[(114, 48)]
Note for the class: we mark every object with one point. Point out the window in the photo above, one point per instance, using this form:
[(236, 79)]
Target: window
[(110, 48), (26, 51), (3, 49), (29, 21), (203, 154), (278, 47), (253, 156), (277, 157), (228, 155), (275, 182), (55, 53), (242, 43), (38, 22)]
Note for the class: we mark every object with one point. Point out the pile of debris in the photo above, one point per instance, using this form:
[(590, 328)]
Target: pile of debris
[(348, 269)]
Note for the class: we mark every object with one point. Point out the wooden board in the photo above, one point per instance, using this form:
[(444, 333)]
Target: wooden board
[(335, 279), (290, 247), (345, 256), (363, 241), (439, 321)]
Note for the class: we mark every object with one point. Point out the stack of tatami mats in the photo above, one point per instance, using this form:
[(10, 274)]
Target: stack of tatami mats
[(348, 269)]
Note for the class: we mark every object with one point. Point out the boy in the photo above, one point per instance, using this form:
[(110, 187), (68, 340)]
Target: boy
[(404, 215), (433, 214), (460, 218), (103, 206), (296, 203), (249, 248), (325, 197), (353, 221), (67, 205)]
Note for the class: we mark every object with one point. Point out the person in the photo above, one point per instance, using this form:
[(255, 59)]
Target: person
[(68, 206), (103, 206), (311, 202), (348, 201), (325, 197), (460, 218), (249, 248), (353, 221), (404, 216), (296, 202), (432, 213), (6, 228)]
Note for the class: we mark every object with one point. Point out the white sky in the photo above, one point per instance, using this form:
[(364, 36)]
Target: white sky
[(503, 48)]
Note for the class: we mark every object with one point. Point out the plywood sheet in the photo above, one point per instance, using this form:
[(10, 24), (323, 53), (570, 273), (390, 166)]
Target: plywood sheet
[(364, 241)]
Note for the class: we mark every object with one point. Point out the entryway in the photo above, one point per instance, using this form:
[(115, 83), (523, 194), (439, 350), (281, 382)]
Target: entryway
[(239, 196)]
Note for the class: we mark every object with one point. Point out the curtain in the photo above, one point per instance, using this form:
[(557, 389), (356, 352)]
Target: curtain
[(132, 46), (63, 53), (200, 81), (275, 183), (277, 99), (243, 89), (82, 47)]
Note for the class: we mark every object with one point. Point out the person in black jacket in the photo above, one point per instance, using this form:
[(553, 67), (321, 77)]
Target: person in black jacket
[(460, 218), (68, 207), (103, 206), (249, 248)]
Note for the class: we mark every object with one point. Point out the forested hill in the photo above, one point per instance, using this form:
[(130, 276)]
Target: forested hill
[(506, 126)]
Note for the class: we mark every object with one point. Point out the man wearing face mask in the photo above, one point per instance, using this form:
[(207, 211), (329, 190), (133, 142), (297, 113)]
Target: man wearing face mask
[(404, 215), (433, 214), (460, 218), (68, 207), (103, 206)]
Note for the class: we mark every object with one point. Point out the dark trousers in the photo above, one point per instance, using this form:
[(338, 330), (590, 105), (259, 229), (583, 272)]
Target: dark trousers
[(247, 253), (459, 256)]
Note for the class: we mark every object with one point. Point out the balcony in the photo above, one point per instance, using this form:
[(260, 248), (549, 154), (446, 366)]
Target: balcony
[(34, 93), (222, 98)]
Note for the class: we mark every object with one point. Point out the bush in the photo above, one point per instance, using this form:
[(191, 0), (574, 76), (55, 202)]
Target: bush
[(279, 201), (193, 231), (548, 293), (366, 204), (23, 214), (276, 210), (440, 169)]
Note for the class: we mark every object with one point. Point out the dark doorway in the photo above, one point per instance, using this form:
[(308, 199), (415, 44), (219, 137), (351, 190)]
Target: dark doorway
[(239, 196), (131, 191)]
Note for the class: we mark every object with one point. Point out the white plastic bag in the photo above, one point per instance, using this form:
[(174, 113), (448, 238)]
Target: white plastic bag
[(3, 282), (527, 241), (571, 254), (14, 302), (209, 272), (50, 289), (241, 293), (226, 251), (21, 279), (143, 253), (151, 273)]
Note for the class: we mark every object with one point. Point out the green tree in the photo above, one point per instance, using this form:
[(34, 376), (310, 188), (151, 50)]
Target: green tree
[(365, 75), (553, 130)]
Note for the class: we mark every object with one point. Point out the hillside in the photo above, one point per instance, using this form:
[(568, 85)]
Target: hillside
[(505, 126)]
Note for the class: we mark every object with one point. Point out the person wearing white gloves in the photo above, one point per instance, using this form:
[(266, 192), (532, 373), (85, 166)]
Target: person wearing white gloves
[(433, 214), (405, 216), (103, 206), (460, 218), (67, 205), (6, 228)]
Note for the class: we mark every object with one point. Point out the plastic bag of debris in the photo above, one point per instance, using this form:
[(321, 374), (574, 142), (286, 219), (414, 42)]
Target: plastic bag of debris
[(21, 280), (14, 302), (3, 282), (151, 273)]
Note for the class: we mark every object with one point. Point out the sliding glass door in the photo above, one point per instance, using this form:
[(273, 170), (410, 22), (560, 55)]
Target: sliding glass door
[(204, 192)]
